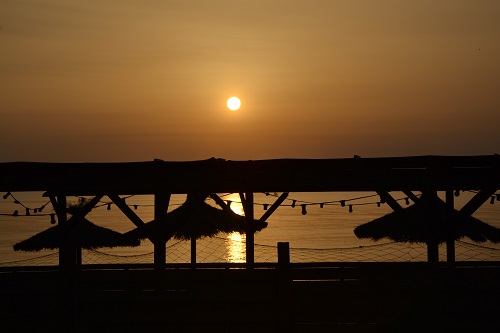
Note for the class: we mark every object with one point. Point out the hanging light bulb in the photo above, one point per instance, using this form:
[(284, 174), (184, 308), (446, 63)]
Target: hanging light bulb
[(52, 218), (457, 193), (350, 208), (135, 207), (293, 203), (109, 206), (304, 211), (321, 205), (16, 213), (492, 200), (27, 211), (265, 206), (342, 203), (407, 201), (6, 195)]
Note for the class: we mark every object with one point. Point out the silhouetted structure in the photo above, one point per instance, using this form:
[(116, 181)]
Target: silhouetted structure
[(428, 221)]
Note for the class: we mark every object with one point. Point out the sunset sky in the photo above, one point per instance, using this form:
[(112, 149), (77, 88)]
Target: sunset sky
[(85, 81)]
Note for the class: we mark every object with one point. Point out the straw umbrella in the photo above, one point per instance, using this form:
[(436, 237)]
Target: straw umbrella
[(77, 233), (428, 221), (194, 220)]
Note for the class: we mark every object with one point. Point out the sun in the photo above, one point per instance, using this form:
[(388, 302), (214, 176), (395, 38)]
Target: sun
[(233, 103)]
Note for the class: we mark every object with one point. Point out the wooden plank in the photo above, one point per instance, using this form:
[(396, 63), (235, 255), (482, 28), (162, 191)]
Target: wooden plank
[(388, 199), (280, 175), (477, 201), (273, 207), (129, 213), (220, 202), (161, 201), (450, 242), (249, 214)]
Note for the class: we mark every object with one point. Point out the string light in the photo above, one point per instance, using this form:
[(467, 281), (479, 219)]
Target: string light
[(52, 218), (492, 200), (407, 201), (109, 206), (457, 193), (342, 203), (16, 213), (6, 195), (378, 204), (498, 196), (304, 211), (321, 205), (350, 208), (135, 207), (27, 212), (293, 203), (265, 206), (228, 203)]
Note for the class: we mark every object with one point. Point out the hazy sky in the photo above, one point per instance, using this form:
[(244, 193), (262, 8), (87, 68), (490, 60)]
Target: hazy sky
[(136, 80)]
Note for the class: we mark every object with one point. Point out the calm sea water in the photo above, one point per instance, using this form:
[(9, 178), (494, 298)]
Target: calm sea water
[(319, 235)]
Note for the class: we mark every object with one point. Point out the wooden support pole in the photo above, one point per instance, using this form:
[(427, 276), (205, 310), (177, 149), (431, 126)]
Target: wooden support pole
[(412, 196), (193, 251), (477, 201), (450, 242), (122, 205), (161, 202), (220, 202), (249, 214), (387, 198), (273, 207), (432, 245), (283, 255)]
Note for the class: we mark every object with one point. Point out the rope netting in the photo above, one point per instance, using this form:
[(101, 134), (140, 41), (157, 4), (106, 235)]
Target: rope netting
[(217, 250)]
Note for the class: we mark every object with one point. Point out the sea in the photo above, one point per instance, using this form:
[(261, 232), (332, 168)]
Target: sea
[(318, 227)]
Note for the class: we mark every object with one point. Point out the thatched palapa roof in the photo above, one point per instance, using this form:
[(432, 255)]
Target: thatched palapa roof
[(428, 221)]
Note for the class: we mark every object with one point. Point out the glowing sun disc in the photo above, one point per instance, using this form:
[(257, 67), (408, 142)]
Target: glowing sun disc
[(233, 103)]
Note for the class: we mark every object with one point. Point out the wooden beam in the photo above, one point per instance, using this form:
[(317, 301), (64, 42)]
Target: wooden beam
[(243, 200), (57, 208), (161, 201), (122, 205), (273, 207), (477, 201), (89, 205), (249, 214), (387, 198), (450, 242), (220, 202), (412, 196)]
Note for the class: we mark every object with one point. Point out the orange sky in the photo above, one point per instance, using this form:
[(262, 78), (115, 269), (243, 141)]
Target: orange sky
[(138, 80)]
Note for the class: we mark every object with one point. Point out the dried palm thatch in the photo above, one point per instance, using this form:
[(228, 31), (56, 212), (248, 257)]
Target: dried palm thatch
[(195, 221), (428, 221), (77, 231)]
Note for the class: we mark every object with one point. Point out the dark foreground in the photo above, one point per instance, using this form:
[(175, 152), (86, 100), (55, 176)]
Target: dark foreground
[(357, 297)]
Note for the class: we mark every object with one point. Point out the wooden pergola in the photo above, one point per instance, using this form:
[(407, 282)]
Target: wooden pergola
[(208, 177)]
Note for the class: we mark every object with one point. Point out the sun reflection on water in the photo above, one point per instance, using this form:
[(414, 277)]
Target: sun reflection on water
[(236, 249)]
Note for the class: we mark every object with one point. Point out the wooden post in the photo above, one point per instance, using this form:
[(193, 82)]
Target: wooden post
[(450, 242), (283, 255), (193, 251), (249, 213), (161, 201)]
